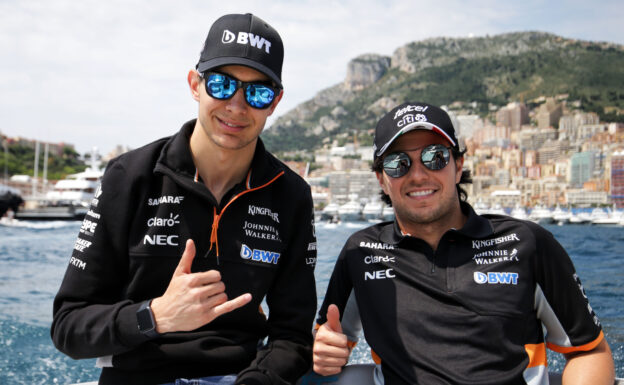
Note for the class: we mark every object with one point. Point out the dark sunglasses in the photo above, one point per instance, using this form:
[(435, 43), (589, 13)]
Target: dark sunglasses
[(257, 94), (434, 157)]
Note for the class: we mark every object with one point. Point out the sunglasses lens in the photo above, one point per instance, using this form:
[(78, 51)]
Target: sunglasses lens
[(220, 86), (435, 157), (396, 164), (259, 95)]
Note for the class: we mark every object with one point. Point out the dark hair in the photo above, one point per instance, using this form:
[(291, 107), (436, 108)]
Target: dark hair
[(466, 178)]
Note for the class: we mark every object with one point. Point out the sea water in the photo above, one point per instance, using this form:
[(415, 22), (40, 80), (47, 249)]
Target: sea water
[(33, 260)]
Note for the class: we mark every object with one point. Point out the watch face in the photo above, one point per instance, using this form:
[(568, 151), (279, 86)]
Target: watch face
[(144, 319)]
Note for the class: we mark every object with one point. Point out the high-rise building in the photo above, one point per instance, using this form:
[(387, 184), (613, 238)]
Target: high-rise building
[(514, 115), (549, 113), (617, 178), (582, 166)]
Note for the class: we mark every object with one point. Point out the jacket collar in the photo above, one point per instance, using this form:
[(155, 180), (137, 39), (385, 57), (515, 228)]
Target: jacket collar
[(476, 227), (175, 159)]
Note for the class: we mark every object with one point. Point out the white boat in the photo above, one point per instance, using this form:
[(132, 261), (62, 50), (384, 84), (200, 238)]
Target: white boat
[(372, 210), (605, 218), (330, 212), (497, 209), (69, 199), (350, 211), (387, 214), (481, 208), (519, 212), (541, 215), (78, 189), (561, 216), (581, 218)]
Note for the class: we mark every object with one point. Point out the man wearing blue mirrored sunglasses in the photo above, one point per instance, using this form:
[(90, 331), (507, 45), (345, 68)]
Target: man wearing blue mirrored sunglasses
[(446, 296), (190, 234)]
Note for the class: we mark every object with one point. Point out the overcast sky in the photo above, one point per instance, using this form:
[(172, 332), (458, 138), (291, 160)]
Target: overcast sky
[(102, 73)]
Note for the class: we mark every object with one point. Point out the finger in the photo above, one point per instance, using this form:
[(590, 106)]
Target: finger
[(184, 266), (326, 339), (330, 361), (326, 352), (326, 370), (207, 292), (333, 318), (234, 304), (205, 278)]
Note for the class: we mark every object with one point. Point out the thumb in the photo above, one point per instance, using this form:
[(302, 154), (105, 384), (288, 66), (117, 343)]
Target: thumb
[(333, 318), (184, 266)]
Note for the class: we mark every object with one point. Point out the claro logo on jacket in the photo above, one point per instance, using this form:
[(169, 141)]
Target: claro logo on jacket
[(164, 221)]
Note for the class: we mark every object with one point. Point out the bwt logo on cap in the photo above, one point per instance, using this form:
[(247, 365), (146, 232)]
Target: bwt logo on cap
[(246, 38)]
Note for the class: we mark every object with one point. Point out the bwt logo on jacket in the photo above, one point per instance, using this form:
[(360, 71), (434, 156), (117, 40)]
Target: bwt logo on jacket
[(259, 255), (246, 38), (493, 278)]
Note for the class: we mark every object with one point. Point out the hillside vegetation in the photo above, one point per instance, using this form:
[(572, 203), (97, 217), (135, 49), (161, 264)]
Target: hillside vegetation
[(20, 160), (480, 72)]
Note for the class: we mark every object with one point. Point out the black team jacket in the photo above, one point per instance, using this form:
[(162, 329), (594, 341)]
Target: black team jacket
[(260, 238)]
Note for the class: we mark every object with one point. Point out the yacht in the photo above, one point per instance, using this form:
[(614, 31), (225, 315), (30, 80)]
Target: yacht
[(372, 210), (497, 209), (69, 199), (481, 208), (387, 213), (580, 218), (330, 212), (78, 189), (519, 212), (350, 211), (561, 216), (541, 215), (605, 218)]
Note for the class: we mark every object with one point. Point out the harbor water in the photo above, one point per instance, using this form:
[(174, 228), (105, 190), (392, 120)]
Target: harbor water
[(33, 260)]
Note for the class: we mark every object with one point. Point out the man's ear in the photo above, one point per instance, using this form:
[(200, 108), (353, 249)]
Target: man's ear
[(194, 82), (459, 164), (380, 179)]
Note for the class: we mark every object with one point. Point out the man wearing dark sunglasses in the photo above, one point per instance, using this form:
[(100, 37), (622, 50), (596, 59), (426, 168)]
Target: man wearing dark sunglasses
[(190, 235), (446, 296)]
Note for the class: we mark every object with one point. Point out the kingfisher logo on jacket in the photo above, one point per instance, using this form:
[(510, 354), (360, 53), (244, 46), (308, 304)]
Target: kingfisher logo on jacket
[(258, 255)]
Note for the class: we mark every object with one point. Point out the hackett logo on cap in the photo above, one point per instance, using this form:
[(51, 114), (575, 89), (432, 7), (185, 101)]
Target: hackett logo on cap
[(246, 38)]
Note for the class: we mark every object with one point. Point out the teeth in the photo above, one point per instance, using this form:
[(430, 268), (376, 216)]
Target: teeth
[(231, 125), (420, 193)]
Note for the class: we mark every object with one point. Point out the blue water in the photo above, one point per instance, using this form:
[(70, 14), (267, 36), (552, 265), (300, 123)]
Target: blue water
[(33, 261)]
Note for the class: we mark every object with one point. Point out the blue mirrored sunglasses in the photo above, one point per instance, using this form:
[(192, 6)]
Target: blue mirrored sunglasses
[(257, 94), (434, 157)]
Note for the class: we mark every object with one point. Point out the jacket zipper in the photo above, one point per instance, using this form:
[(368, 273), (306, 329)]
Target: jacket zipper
[(217, 216)]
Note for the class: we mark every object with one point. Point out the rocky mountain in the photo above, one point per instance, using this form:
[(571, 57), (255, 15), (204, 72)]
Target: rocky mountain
[(480, 72)]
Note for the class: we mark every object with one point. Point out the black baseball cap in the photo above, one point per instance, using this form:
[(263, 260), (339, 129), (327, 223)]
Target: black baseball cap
[(412, 116), (245, 40)]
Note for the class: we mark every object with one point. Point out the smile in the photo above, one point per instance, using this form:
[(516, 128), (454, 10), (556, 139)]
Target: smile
[(420, 193), (230, 124)]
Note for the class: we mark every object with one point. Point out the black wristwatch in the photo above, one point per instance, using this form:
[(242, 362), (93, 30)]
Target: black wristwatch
[(145, 320)]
